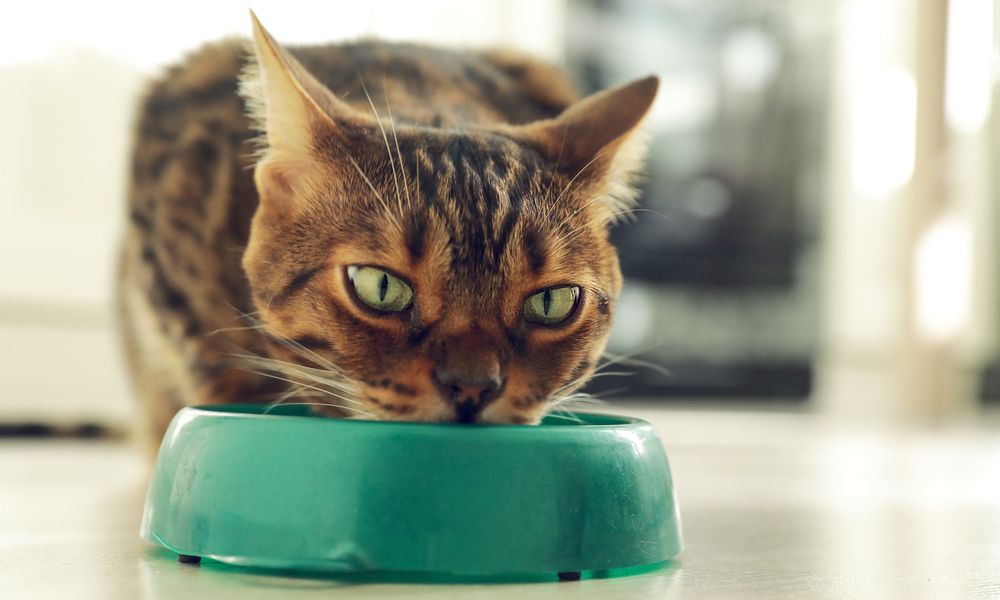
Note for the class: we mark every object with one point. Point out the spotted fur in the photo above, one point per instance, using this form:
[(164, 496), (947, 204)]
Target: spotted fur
[(474, 177)]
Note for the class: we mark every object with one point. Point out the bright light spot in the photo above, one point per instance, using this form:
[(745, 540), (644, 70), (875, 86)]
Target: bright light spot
[(157, 34), (969, 66), (688, 101), (943, 274), (883, 133), (633, 318), (749, 59), (177, 426), (707, 198)]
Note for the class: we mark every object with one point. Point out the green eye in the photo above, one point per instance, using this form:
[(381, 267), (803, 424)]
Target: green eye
[(551, 306), (379, 289)]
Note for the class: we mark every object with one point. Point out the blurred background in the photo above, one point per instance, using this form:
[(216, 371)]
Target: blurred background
[(819, 225)]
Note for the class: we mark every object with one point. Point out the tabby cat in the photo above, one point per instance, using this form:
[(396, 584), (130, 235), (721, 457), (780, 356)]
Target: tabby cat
[(380, 230)]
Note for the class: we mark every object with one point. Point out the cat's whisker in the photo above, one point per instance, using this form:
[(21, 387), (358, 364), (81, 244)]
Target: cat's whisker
[(305, 385), (228, 329), (588, 399), (565, 239), (568, 237), (575, 177), (611, 359), (631, 360), (583, 400), (329, 380), (296, 392), (305, 353), (548, 207), (586, 379), (334, 379), (320, 385), (385, 138), (565, 415), (293, 392), (288, 343), (571, 388), (277, 363), (242, 314), (399, 153), (368, 182), (330, 386), (301, 392), (564, 397), (416, 176), (632, 211), (346, 408), (566, 406), (327, 383)]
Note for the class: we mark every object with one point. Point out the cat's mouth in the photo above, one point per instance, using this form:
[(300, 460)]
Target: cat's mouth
[(467, 405)]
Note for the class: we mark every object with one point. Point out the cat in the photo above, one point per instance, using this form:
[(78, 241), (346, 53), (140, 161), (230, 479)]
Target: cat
[(380, 230)]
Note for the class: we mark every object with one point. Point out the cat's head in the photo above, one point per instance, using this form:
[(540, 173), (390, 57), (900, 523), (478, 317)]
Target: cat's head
[(448, 275)]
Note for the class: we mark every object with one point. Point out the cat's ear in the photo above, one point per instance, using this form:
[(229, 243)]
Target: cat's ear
[(291, 108), (597, 138), (595, 127)]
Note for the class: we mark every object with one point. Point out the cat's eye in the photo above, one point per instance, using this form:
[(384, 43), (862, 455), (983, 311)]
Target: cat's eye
[(380, 290), (551, 306)]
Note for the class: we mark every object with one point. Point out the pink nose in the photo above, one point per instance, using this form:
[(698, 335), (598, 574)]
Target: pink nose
[(468, 397), (474, 392)]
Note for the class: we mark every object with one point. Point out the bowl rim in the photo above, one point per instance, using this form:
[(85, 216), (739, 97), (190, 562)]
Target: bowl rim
[(563, 422)]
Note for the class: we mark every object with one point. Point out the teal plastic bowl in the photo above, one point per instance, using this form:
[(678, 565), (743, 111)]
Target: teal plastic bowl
[(586, 494)]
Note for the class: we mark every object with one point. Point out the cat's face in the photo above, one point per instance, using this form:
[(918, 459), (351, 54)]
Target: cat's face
[(467, 294), (448, 276)]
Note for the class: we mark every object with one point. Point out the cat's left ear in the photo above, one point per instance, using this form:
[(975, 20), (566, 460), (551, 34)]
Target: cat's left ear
[(597, 138), (293, 109)]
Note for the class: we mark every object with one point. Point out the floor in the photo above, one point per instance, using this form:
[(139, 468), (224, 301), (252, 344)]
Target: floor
[(774, 505)]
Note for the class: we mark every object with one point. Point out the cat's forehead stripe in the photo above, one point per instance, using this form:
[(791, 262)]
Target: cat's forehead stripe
[(480, 198), (479, 204)]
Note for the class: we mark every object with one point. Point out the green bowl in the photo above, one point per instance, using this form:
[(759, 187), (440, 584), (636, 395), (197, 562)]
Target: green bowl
[(584, 493)]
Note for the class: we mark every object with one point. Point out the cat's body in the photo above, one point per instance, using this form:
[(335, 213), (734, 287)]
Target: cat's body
[(438, 194)]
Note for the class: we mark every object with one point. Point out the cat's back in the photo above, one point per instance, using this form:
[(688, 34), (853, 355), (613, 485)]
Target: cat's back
[(437, 86), (419, 84)]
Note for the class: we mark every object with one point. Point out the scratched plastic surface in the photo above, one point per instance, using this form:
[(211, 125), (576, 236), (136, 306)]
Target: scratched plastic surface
[(591, 493)]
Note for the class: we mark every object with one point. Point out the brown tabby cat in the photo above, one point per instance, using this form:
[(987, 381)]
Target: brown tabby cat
[(423, 237)]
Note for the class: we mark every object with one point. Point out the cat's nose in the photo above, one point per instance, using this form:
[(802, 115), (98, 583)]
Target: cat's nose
[(469, 395)]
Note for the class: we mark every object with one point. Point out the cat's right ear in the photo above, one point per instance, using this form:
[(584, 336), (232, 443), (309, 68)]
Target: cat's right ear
[(597, 140), (292, 109)]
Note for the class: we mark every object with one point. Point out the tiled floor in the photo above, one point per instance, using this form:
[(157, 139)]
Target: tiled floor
[(774, 506)]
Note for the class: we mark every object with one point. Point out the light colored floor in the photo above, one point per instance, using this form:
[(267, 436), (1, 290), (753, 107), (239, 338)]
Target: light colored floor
[(774, 506)]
